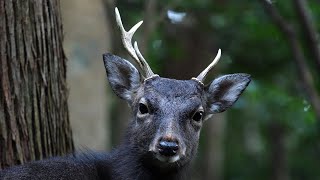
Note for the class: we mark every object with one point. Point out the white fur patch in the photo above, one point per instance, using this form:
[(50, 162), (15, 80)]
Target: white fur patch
[(168, 159)]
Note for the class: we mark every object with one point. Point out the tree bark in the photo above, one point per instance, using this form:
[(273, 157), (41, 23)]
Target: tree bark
[(34, 121)]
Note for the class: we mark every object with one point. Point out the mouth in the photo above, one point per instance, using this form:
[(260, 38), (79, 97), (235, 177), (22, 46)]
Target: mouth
[(167, 159)]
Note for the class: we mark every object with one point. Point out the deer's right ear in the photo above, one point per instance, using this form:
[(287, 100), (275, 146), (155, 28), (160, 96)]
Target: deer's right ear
[(123, 77), (224, 91)]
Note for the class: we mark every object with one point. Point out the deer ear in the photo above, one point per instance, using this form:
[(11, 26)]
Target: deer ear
[(224, 91), (123, 77)]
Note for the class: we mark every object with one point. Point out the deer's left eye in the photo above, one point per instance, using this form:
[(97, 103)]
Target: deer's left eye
[(197, 116)]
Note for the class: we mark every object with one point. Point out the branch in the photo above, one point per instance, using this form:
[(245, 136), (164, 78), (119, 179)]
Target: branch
[(302, 68), (283, 25), (308, 27)]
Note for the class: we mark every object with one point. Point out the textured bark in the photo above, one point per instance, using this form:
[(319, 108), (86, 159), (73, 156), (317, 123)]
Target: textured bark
[(34, 121)]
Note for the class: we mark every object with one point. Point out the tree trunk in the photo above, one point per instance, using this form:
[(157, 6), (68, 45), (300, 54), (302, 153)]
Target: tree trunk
[(120, 113), (88, 100), (34, 121), (279, 161), (214, 130)]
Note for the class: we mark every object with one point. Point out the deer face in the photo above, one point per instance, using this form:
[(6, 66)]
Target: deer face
[(173, 109), (168, 114)]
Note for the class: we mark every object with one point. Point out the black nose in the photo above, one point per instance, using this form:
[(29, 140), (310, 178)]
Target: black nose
[(168, 148)]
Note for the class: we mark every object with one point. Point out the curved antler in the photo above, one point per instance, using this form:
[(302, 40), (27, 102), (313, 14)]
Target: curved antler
[(134, 52), (203, 74)]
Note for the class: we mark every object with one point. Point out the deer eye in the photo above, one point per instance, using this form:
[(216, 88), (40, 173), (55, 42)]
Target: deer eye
[(197, 116), (143, 109)]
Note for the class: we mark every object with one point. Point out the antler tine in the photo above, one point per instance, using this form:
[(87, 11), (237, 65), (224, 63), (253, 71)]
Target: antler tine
[(144, 63), (126, 37), (126, 40), (203, 74)]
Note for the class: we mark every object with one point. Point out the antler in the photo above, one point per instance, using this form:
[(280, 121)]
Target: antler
[(134, 52), (203, 74)]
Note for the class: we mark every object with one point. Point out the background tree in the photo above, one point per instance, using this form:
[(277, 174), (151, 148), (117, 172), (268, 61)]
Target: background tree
[(34, 121)]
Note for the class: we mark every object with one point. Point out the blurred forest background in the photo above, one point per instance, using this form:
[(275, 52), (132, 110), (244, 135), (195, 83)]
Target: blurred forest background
[(272, 132)]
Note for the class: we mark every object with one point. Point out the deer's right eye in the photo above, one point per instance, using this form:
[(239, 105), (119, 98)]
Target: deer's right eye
[(143, 109)]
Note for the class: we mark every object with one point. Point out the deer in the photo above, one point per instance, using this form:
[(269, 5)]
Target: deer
[(162, 136)]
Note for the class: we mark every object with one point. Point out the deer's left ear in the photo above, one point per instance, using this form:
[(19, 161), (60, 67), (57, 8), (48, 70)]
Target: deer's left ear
[(224, 91)]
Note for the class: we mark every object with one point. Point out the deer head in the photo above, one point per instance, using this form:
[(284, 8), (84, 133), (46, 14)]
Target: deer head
[(167, 114)]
